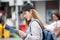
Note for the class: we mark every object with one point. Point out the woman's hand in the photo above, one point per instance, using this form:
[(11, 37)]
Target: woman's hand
[(57, 31), (21, 33)]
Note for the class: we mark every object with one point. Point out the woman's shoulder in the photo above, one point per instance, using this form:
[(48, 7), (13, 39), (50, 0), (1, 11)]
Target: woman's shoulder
[(34, 23), (58, 20)]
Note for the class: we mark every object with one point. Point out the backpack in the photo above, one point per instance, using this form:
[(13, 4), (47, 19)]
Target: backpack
[(47, 34)]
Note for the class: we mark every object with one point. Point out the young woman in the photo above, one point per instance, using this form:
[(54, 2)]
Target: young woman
[(56, 24), (34, 31)]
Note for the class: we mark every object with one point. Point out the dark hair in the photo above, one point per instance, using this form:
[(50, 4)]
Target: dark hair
[(58, 15)]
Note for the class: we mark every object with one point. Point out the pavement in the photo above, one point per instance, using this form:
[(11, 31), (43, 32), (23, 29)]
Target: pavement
[(12, 39)]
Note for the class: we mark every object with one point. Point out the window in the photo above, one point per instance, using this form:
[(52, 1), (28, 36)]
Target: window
[(51, 7)]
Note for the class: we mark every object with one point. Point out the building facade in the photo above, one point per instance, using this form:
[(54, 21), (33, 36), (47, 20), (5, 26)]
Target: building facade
[(40, 5)]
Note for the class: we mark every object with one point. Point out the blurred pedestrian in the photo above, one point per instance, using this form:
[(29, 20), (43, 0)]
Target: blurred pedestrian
[(1, 26), (56, 18)]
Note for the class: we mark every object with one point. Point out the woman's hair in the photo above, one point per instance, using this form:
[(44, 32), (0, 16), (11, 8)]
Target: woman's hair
[(58, 15), (36, 16)]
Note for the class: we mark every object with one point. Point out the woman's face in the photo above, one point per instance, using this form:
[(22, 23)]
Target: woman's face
[(55, 18), (27, 15)]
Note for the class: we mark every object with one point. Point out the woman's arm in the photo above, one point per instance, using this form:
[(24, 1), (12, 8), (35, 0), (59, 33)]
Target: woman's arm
[(57, 31)]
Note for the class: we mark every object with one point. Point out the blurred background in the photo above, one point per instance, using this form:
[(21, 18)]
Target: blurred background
[(10, 9)]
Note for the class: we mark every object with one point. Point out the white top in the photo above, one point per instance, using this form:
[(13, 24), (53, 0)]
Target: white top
[(36, 31), (57, 24), (10, 22), (53, 25)]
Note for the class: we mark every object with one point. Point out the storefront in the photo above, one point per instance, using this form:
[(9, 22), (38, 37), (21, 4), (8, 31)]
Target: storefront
[(4, 6)]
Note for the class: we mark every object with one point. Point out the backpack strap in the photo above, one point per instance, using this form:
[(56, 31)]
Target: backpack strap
[(30, 31), (38, 23)]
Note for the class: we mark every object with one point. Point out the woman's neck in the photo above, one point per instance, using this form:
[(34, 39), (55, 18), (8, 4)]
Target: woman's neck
[(57, 20), (32, 18)]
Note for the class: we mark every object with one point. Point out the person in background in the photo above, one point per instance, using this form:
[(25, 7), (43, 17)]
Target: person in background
[(10, 22), (56, 24), (1, 19), (34, 31), (1, 25)]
